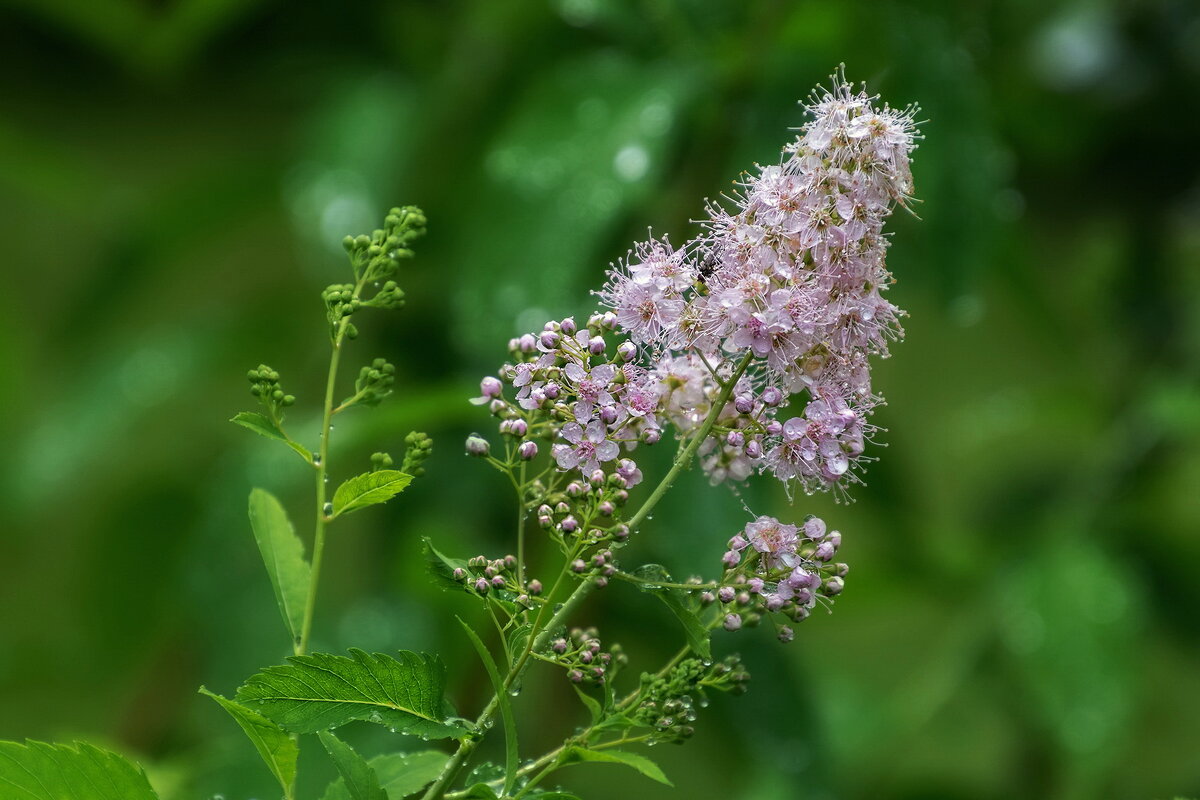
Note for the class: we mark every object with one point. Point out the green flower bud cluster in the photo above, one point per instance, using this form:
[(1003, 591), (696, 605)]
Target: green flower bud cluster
[(390, 297), (340, 303), (380, 461), (378, 256), (264, 384), (668, 703), (419, 447), (374, 382)]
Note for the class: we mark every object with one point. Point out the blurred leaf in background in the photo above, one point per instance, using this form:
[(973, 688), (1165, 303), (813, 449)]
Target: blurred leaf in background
[(175, 179)]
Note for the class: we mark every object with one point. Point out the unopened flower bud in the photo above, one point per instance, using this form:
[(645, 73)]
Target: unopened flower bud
[(786, 634), (771, 396), (575, 676), (608, 415), (578, 565), (596, 345), (568, 326), (834, 586), (731, 558), (491, 387), (707, 599), (651, 436), (841, 569), (735, 439), (481, 586), (498, 581), (527, 450), (725, 594), (477, 446), (527, 343), (774, 427), (824, 552), (598, 477), (732, 622), (744, 404), (559, 646), (460, 574), (753, 448), (569, 525), (605, 509), (627, 351)]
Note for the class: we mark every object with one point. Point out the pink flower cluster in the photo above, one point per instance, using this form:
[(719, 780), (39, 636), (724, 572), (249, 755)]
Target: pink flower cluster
[(775, 568), (794, 274)]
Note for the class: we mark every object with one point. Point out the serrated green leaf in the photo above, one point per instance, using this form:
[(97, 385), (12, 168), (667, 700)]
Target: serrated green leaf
[(41, 771), (358, 778), (694, 630), (642, 764), (283, 555), (368, 489), (278, 750), (400, 774), (442, 567), (263, 426), (322, 691), (506, 713)]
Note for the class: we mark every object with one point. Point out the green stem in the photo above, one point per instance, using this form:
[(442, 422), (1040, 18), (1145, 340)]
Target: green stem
[(467, 746), (322, 466), (625, 576), (539, 635), (684, 459)]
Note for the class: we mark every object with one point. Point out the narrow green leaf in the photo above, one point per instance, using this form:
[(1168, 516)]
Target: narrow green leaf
[(263, 426), (442, 567), (400, 774), (358, 777), (481, 791), (283, 554), (592, 705), (277, 749), (506, 713), (642, 764), (322, 691), (368, 489), (41, 771), (694, 630)]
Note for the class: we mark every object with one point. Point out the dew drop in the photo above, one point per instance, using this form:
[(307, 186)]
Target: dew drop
[(316, 461), (328, 509)]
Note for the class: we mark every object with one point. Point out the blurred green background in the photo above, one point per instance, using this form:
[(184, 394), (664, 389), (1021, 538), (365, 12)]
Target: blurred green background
[(175, 176)]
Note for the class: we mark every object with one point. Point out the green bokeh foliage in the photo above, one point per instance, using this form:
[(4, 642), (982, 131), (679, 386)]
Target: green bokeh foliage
[(175, 180)]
